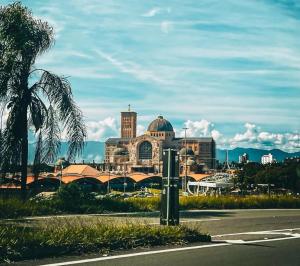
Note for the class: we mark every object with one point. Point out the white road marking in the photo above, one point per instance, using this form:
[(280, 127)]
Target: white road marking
[(260, 232), (192, 220), (152, 212), (235, 241), (227, 243)]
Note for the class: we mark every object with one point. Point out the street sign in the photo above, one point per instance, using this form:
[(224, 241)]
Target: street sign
[(169, 214)]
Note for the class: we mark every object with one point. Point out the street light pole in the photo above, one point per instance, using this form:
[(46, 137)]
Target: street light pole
[(185, 170), (108, 184), (124, 183), (61, 172)]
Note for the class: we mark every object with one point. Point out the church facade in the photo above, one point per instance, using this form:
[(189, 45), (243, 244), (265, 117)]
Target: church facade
[(131, 153)]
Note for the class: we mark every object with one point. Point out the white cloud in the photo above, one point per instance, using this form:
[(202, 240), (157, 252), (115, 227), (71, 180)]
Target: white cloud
[(152, 12), (202, 128), (140, 130), (155, 11), (216, 135), (166, 26), (132, 68), (249, 135), (253, 137), (102, 129)]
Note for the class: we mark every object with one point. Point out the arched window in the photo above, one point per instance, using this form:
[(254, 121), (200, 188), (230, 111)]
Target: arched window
[(145, 151)]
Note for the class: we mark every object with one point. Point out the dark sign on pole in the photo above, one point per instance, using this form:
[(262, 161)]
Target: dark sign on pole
[(169, 214)]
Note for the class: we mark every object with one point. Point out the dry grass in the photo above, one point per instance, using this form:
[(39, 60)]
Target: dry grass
[(60, 236)]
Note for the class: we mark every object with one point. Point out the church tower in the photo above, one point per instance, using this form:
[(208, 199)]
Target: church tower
[(128, 124)]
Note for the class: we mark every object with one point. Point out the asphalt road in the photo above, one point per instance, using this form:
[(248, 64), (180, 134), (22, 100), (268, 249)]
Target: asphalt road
[(240, 237)]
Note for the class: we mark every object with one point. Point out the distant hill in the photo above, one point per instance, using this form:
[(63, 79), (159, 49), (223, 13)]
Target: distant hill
[(254, 154), (94, 150)]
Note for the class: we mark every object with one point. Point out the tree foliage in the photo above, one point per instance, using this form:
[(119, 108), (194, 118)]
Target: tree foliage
[(281, 175), (34, 98)]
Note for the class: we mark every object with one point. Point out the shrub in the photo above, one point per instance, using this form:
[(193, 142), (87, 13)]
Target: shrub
[(74, 236)]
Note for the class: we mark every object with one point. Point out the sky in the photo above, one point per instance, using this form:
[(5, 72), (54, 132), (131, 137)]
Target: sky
[(228, 69)]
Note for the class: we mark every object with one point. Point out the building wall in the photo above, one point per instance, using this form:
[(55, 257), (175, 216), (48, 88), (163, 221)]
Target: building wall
[(128, 124), (204, 153)]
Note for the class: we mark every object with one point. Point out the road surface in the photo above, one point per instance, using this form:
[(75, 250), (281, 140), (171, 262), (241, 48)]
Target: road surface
[(240, 237)]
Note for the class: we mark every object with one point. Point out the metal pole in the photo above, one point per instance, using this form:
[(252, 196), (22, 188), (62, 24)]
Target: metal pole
[(168, 188), (108, 184), (185, 170), (124, 180), (60, 174)]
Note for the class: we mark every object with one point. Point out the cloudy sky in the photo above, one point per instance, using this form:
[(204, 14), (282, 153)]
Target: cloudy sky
[(230, 69)]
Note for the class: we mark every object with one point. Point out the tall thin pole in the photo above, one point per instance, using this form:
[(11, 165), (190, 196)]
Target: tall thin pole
[(124, 184), (168, 188), (61, 172), (108, 184), (185, 170)]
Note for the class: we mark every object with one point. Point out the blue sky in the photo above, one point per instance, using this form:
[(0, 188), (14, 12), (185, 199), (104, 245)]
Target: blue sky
[(230, 69)]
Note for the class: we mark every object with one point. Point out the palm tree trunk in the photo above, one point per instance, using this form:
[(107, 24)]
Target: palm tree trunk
[(24, 155)]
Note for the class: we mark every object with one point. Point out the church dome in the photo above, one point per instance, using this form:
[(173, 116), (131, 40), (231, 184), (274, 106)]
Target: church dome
[(189, 152), (160, 124), (120, 151)]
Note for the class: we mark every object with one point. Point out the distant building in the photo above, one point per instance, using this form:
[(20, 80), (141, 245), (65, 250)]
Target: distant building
[(295, 159), (128, 124), (267, 159), (244, 158), (132, 153)]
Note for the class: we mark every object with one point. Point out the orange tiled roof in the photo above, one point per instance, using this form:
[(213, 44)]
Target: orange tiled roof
[(81, 169), (104, 178), (137, 177)]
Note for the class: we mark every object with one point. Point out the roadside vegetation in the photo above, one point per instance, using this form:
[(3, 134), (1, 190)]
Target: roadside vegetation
[(56, 237), (284, 177), (74, 199)]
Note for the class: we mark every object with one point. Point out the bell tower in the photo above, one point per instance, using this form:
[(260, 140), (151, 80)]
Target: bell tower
[(128, 124)]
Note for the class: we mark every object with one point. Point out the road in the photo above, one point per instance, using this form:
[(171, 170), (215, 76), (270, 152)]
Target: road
[(240, 237)]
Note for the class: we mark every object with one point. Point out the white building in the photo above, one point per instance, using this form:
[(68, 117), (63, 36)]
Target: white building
[(267, 158), (244, 158)]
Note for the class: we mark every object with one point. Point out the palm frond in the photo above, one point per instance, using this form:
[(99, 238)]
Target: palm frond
[(38, 155), (10, 150), (51, 131), (57, 89), (38, 112), (20, 31)]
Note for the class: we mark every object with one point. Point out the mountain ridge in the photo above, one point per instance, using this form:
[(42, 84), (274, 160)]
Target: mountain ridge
[(94, 150)]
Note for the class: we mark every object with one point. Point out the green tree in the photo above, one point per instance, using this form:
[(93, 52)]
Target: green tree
[(34, 98)]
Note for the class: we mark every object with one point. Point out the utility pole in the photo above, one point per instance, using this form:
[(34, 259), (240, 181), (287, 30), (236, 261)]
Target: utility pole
[(108, 184), (184, 181)]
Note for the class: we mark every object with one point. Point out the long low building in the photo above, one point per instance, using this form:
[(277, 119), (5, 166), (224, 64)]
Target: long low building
[(85, 174)]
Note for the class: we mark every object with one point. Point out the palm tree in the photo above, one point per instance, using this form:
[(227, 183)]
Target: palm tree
[(35, 99)]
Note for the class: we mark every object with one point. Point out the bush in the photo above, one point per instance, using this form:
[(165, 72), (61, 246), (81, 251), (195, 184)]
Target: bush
[(75, 236), (73, 199)]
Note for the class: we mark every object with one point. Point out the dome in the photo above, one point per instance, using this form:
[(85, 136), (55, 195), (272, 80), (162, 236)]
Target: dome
[(189, 152), (160, 124), (120, 151)]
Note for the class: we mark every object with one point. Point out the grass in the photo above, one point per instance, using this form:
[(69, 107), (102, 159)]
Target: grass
[(234, 202), (56, 237), (15, 208), (222, 202), (72, 199)]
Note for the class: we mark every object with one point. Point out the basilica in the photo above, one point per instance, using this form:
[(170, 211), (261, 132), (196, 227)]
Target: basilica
[(131, 153)]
